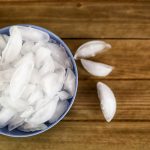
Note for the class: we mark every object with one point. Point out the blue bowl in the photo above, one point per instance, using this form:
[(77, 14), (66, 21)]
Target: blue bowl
[(16, 132)]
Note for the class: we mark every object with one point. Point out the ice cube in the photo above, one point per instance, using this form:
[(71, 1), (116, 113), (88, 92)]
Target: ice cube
[(32, 34), (41, 55), (29, 56), (2, 44), (35, 77), (35, 96), (60, 109), (45, 113), (21, 77), (27, 113), (27, 47), (13, 47), (31, 80), (96, 68), (15, 122), (28, 91), (17, 105), (3, 86), (5, 115), (63, 95), (91, 49), (58, 66), (5, 66), (61, 72), (107, 101), (48, 66), (51, 84), (26, 127), (37, 46), (5, 75), (42, 102), (58, 53), (68, 63), (69, 84), (5, 37)]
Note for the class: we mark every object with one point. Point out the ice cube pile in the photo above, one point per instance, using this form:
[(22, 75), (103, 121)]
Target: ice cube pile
[(36, 79)]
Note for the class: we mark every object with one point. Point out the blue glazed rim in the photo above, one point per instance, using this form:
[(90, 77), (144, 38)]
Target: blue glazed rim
[(16, 132)]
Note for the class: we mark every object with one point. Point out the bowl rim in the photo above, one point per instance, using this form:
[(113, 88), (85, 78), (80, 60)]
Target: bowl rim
[(76, 82)]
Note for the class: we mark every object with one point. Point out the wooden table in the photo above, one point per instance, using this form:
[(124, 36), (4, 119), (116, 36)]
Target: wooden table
[(126, 26)]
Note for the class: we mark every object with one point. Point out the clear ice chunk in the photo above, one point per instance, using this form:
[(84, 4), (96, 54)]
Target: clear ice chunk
[(69, 84), (13, 47), (60, 109), (33, 35)]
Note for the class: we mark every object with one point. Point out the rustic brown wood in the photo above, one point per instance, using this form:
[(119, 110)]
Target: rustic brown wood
[(132, 100), (86, 135), (100, 19), (129, 57), (126, 26)]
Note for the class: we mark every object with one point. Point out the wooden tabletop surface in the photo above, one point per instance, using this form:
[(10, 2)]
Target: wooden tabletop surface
[(126, 26)]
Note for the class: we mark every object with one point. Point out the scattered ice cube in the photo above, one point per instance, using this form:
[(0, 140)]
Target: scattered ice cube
[(90, 49), (96, 68), (107, 101)]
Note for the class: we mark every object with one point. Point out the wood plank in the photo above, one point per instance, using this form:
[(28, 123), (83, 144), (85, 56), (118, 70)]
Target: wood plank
[(132, 100), (86, 135), (100, 19), (64, 1), (129, 57)]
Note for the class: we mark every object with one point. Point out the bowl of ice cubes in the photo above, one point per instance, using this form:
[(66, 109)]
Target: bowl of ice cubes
[(38, 80)]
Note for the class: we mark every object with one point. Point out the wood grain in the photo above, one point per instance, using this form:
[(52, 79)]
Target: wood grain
[(129, 57), (100, 19), (86, 135), (132, 100), (126, 26)]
